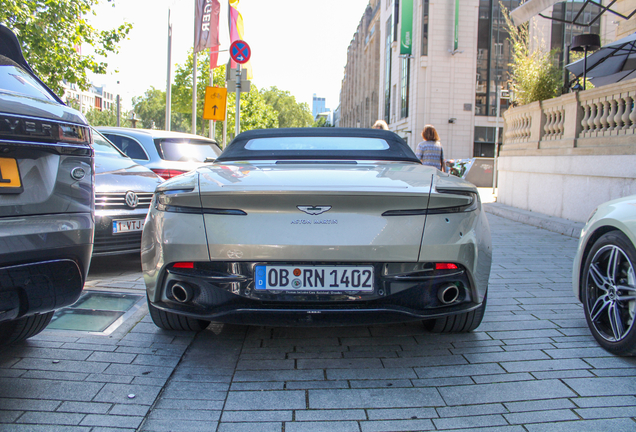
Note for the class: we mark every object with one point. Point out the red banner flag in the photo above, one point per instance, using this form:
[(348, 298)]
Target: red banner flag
[(206, 19)]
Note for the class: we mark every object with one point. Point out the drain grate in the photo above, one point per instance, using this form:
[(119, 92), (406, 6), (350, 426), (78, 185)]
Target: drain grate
[(96, 311)]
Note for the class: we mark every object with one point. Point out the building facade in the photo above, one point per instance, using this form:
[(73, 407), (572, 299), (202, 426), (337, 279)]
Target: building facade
[(94, 98), (459, 56), (359, 95), (318, 106)]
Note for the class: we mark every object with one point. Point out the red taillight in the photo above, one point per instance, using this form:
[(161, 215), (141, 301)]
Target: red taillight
[(445, 266), (187, 265), (167, 173)]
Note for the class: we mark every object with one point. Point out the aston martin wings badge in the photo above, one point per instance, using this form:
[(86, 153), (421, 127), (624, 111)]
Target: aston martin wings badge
[(313, 210)]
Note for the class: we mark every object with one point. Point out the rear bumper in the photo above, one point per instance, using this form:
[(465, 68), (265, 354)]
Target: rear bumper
[(212, 294), (44, 261), (39, 287), (317, 317)]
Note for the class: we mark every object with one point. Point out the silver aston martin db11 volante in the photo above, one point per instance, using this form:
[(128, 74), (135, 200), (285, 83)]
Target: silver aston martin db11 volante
[(316, 226)]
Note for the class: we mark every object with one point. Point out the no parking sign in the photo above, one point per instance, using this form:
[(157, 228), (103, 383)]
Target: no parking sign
[(240, 51)]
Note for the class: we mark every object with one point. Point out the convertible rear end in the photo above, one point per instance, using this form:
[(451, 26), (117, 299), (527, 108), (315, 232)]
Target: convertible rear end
[(316, 242)]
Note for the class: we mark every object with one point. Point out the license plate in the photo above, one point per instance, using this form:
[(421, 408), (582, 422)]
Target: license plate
[(10, 181), (314, 278), (130, 225)]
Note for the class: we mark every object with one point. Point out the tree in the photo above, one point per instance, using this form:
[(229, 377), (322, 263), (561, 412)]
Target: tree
[(291, 114), (321, 122), (96, 117), (151, 108), (255, 113), (534, 75), (51, 33)]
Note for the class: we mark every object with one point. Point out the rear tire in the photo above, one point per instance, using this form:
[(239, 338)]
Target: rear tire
[(23, 328), (173, 321), (460, 323)]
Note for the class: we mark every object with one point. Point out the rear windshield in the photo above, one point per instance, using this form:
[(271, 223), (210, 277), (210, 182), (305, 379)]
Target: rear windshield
[(175, 149), (14, 79), (311, 144), (317, 143)]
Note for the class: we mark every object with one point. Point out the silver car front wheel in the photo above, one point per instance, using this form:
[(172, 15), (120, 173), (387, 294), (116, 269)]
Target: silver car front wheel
[(609, 293)]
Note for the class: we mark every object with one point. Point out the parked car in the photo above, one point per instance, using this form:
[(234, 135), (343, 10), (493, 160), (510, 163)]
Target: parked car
[(317, 226), (604, 275), (123, 191), (168, 154), (46, 198)]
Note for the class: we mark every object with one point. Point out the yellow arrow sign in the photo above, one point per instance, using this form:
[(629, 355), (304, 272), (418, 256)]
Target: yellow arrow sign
[(215, 103)]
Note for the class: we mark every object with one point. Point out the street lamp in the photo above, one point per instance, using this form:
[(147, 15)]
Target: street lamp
[(584, 43)]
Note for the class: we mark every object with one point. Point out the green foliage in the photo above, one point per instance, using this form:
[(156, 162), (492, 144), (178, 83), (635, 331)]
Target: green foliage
[(534, 76), (50, 31), (262, 109), (255, 113), (108, 118), (321, 122), (291, 114), (151, 109)]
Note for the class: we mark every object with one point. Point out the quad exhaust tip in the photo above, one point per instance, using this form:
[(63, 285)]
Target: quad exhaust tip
[(182, 292), (448, 294)]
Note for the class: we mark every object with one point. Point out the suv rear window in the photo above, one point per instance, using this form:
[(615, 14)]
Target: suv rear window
[(175, 149), (14, 79)]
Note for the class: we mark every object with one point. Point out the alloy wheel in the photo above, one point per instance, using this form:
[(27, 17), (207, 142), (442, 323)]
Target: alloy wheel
[(611, 293)]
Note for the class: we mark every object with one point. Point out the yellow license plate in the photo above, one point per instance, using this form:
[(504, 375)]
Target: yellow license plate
[(10, 181)]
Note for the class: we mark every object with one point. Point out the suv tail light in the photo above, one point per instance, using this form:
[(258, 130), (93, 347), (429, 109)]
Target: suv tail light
[(167, 173)]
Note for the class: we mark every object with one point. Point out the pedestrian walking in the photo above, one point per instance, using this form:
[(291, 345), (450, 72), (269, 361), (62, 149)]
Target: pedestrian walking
[(430, 151)]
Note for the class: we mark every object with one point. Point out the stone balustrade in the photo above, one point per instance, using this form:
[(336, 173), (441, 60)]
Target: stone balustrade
[(566, 155)]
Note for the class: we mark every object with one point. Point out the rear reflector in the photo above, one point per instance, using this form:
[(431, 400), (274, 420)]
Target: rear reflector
[(188, 265), (445, 266), (167, 173)]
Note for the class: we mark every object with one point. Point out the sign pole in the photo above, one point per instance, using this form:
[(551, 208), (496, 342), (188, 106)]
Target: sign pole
[(240, 52), (237, 118), (212, 125)]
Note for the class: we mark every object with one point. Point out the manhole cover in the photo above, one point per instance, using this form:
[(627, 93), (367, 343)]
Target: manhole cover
[(96, 311)]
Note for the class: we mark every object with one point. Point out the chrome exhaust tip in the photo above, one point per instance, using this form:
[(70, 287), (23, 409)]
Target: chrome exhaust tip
[(448, 294), (182, 292)]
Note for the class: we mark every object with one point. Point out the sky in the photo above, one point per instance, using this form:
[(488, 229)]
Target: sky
[(297, 45)]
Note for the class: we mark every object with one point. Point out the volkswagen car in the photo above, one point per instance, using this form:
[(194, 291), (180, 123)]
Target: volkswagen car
[(168, 154), (46, 198), (316, 226), (123, 191), (604, 275)]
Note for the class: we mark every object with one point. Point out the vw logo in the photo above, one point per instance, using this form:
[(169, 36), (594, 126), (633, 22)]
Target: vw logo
[(132, 200), (313, 210)]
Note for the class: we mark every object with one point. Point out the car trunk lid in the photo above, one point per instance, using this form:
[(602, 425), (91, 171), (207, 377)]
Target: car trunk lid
[(300, 212)]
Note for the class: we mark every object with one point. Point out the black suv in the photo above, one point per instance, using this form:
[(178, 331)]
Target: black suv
[(46, 198)]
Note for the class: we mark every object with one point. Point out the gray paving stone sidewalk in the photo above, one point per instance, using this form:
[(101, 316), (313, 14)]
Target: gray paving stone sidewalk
[(531, 366)]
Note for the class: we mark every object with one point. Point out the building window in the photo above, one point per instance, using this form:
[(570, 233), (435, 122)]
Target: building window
[(493, 55), (404, 93), (387, 70), (396, 19), (425, 27)]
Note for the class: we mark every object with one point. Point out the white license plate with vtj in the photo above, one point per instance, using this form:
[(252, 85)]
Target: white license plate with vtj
[(126, 226), (314, 278)]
